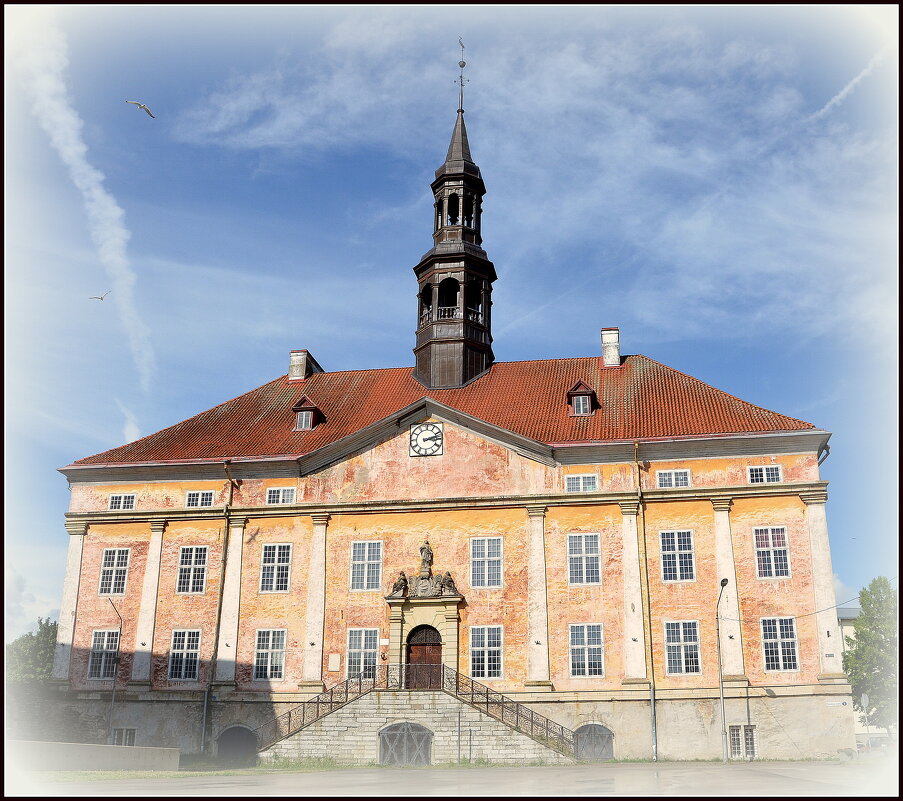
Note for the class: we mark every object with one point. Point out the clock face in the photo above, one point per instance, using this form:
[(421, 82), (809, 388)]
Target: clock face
[(426, 439)]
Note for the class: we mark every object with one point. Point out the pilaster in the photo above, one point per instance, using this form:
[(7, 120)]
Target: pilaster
[(227, 644), (66, 628), (538, 677), (144, 634), (312, 666), (634, 634), (729, 608)]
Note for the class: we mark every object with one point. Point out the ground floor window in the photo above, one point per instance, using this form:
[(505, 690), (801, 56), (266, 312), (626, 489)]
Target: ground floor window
[(743, 742), (486, 652), (124, 736), (362, 648), (269, 655)]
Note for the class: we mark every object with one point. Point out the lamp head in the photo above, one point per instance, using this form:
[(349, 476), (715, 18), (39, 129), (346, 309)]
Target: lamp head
[(723, 582)]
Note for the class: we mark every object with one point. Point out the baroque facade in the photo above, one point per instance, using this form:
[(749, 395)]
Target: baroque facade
[(470, 559)]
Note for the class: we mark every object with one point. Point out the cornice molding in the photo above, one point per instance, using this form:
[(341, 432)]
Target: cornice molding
[(629, 508), (811, 497), (320, 519), (537, 511), (722, 504), (77, 527), (157, 526)]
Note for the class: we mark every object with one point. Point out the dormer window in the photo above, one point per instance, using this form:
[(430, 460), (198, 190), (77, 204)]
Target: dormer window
[(307, 415), (582, 400)]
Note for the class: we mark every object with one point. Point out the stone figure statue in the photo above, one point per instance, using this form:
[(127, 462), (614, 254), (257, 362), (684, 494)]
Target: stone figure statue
[(448, 585), (400, 587), (426, 559)]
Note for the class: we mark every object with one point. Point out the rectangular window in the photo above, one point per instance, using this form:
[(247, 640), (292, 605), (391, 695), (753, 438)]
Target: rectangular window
[(104, 655), (362, 648), (281, 495), (779, 641), (582, 405), (771, 552), (486, 652), (486, 562), (113, 571), (269, 654), (682, 646), (183, 656), (583, 559), (673, 478), (769, 474), (677, 556), (199, 498), (122, 501), (366, 565), (304, 421), (192, 570), (587, 483), (743, 742), (586, 650), (124, 736), (274, 568)]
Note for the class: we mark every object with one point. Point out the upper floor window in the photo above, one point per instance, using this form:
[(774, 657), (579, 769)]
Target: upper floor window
[(304, 420), (104, 655), (113, 571), (126, 501), (274, 568), (486, 652), (192, 569), (281, 495), (581, 404), (767, 474), (587, 483), (184, 655), (771, 552), (199, 498), (362, 648), (682, 646), (366, 565), (586, 650), (307, 415), (486, 562), (583, 559), (269, 654), (673, 478), (779, 642), (581, 398), (677, 556)]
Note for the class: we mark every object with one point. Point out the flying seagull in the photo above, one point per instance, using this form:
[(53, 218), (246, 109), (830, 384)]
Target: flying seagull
[(141, 105), (101, 297)]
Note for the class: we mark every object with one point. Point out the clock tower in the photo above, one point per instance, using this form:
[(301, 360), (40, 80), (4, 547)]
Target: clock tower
[(454, 334)]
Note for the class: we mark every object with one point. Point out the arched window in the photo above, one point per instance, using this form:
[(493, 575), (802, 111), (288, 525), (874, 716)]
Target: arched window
[(473, 301), (426, 304), (405, 745), (448, 298), (453, 210), (468, 211)]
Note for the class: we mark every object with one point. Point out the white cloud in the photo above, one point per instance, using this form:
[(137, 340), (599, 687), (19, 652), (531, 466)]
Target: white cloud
[(130, 429), (842, 94)]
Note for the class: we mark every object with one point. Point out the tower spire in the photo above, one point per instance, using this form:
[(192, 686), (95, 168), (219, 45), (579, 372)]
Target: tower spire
[(461, 79)]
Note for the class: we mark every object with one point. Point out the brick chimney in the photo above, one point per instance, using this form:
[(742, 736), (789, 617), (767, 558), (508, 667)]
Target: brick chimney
[(611, 347), (301, 364)]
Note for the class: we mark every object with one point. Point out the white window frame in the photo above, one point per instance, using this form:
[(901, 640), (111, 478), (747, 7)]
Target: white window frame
[(771, 549), (285, 495), (276, 564), (582, 558), (114, 570), (366, 584), (485, 650), (192, 569), (660, 478), (584, 479), (305, 423), (362, 653), (185, 653), (108, 655), (745, 732), (124, 737), (202, 495), (585, 408), (271, 659), (486, 559), (677, 551), (585, 647), (682, 645), (122, 501), (765, 468), (780, 650)]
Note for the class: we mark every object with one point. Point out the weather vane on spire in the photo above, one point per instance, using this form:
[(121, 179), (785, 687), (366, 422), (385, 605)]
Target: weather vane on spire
[(461, 79)]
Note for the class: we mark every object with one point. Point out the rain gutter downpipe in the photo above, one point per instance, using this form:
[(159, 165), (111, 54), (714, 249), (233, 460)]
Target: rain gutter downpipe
[(642, 521)]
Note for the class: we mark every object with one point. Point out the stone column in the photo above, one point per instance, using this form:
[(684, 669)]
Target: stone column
[(729, 609), (144, 634), (66, 628), (312, 669), (634, 636), (227, 645), (537, 604), (830, 645)]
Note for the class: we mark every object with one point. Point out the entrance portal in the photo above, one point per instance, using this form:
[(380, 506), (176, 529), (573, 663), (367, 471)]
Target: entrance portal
[(594, 743), (405, 745), (424, 662)]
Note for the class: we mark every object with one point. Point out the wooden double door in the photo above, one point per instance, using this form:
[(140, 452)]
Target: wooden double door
[(424, 659)]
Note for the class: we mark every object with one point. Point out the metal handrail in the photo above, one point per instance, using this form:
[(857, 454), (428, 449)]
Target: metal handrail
[(512, 713)]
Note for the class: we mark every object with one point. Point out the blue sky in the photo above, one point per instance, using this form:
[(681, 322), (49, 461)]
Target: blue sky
[(719, 182)]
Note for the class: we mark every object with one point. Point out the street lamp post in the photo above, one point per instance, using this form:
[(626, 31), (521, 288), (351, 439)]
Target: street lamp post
[(721, 673)]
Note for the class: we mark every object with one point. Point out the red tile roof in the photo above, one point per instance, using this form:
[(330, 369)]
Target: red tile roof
[(641, 399)]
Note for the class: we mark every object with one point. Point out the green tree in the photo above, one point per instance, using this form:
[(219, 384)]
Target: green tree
[(29, 659), (871, 661)]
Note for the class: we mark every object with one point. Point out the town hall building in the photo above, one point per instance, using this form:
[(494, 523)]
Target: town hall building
[(586, 558)]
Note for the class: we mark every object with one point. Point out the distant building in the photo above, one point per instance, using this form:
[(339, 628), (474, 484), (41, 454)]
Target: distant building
[(467, 559)]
